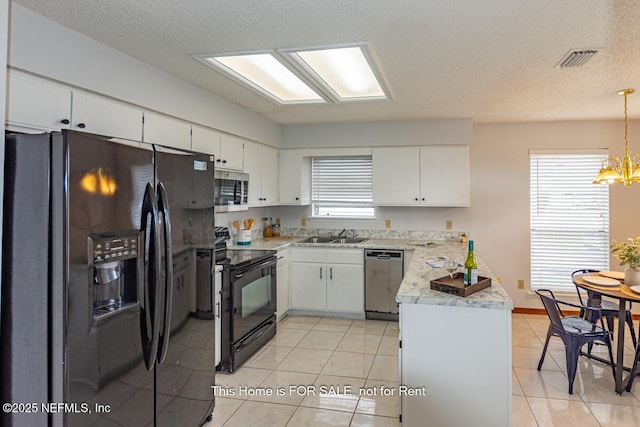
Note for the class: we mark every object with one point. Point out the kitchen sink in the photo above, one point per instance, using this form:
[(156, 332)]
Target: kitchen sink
[(348, 240), (317, 240), (339, 240)]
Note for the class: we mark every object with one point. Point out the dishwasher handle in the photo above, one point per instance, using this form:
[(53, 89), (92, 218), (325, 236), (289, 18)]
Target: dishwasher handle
[(384, 255)]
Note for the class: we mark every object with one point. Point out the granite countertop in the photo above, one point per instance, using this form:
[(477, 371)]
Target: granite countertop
[(415, 287)]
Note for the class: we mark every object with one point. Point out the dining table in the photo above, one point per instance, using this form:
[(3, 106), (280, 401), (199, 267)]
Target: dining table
[(625, 295)]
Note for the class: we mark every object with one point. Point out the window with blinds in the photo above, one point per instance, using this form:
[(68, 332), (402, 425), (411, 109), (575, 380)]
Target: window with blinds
[(569, 217), (342, 187)]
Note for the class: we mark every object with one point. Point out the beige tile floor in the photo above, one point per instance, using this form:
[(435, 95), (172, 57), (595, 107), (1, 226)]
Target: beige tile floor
[(363, 355)]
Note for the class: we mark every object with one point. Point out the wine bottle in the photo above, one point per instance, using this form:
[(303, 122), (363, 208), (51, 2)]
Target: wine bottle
[(470, 267)]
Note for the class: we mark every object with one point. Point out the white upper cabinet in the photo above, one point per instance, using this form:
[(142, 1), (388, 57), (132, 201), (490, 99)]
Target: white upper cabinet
[(445, 175), (166, 131), (433, 175), (295, 178), (205, 141), (227, 149), (396, 176), (34, 105), (231, 153), (105, 117), (261, 163)]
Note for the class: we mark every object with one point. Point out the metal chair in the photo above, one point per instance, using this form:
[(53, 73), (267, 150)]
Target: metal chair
[(574, 332), (609, 309), (634, 367)]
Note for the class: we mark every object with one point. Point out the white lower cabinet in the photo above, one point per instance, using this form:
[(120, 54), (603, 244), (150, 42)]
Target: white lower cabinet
[(467, 380), (282, 283), (345, 288), (327, 280)]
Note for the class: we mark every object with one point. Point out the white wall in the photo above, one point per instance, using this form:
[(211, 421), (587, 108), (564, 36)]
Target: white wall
[(44, 47), (359, 134), (499, 213)]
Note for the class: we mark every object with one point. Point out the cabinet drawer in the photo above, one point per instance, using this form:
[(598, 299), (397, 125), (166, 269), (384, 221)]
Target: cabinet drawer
[(308, 255), (345, 256)]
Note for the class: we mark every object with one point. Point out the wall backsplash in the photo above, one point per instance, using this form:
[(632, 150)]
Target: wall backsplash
[(377, 233)]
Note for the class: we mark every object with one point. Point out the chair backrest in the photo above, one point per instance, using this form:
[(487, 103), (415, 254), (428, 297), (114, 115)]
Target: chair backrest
[(550, 306), (579, 273)]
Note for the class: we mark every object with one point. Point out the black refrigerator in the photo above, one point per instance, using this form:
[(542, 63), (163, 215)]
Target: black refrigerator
[(98, 283)]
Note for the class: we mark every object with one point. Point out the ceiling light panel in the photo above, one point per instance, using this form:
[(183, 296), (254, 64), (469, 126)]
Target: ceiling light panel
[(345, 70), (265, 74)]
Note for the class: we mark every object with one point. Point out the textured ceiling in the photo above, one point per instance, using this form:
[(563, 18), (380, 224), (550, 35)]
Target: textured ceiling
[(489, 60)]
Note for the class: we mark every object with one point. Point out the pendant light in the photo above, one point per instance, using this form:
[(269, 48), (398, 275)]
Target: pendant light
[(627, 170)]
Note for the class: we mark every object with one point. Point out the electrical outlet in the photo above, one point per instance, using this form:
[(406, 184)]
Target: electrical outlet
[(387, 223), (449, 225), (303, 222), (520, 284)]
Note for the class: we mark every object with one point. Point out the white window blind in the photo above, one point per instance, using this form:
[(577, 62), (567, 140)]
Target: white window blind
[(569, 217), (342, 187)]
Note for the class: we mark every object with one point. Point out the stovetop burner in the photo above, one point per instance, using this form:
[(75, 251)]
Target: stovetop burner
[(237, 258)]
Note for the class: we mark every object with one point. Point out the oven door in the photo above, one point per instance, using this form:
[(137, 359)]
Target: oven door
[(254, 297)]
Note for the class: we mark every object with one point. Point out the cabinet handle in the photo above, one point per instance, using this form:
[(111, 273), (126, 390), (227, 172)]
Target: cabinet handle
[(297, 198), (331, 273), (218, 161), (321, 272), (224, 161), (64, 121), (423, 199), (81, 125), (416, 199)]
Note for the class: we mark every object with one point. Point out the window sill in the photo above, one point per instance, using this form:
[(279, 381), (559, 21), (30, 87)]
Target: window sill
[(341, 218)]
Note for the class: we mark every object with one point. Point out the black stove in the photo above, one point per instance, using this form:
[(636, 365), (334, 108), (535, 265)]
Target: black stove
[(248, 319)]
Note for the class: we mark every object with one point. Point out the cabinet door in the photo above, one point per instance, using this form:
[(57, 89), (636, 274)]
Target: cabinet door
[(345, 288), (231, 153), (166, 131), (294, 178), (253, 166), (396, 176), (308, 286), (270, 189), (205, 141), (282, 282), (37, 105), (105, 117), (445, 175)]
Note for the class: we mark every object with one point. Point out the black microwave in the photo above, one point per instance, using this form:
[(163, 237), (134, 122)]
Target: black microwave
[(231, 191)]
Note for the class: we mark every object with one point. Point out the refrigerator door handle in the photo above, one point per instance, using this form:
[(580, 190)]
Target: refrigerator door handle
[(150, 312), (164, 332)]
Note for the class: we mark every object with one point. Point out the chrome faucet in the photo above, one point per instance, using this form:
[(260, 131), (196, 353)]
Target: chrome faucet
[(343, 233)]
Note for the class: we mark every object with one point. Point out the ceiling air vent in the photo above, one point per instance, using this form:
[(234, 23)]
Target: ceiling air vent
[(576, 58)]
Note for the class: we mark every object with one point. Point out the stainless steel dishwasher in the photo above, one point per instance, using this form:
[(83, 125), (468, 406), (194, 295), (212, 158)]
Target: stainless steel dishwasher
[(383, 273)]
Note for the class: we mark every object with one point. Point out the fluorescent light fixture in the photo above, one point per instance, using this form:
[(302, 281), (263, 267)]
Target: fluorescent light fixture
[(346, 70), (304, 75), (265, 74)]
